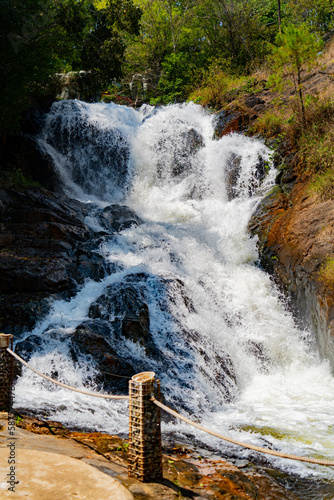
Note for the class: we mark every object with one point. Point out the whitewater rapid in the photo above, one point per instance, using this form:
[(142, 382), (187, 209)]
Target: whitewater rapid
[(168, 167)]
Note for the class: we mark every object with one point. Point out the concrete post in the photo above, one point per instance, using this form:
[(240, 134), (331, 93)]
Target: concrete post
[(6, 372), (145, 457)]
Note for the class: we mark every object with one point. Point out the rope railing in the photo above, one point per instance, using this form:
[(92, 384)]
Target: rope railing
[(142, 390), (268, 451), (65, 386)]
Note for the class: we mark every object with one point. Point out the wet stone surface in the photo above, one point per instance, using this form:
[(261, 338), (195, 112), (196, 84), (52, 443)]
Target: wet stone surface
[(187, 473)]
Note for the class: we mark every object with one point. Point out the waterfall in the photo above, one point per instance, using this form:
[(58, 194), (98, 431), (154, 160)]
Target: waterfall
[(221, 340)]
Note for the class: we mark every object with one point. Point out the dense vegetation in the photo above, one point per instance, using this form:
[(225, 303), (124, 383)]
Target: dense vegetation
[(157, 50), (163, 51)]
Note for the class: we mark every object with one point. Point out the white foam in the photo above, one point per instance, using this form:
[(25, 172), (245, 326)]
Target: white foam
[(194, 234)]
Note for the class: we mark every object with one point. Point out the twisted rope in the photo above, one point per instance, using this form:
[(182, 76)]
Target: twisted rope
[(65, 386), (318, 461)]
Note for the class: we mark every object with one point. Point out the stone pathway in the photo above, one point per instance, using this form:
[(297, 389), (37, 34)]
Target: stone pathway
[(53, 468)]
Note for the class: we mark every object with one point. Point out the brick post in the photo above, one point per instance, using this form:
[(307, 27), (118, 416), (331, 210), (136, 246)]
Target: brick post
[(6, 372), (145, 458)]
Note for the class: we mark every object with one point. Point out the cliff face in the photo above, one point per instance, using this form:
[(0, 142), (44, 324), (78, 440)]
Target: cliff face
[(295, 231)]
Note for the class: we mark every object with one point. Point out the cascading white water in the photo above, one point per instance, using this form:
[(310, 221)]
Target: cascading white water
[(201, 281)]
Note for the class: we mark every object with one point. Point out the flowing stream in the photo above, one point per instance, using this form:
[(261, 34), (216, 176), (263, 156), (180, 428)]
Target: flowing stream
[(232, 356)]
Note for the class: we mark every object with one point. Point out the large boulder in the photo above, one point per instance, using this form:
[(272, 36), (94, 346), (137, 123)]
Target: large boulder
[(124, 306), (114, 218)]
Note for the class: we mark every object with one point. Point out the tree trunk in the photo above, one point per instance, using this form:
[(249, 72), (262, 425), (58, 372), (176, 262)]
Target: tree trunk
[(301, 97)]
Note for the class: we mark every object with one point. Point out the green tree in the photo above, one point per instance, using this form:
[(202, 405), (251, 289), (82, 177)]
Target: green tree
[(317, 14), (36, 40), (167, 27), (295, 54), (39, 39), (102, 53), (175, 78), (238, 30)]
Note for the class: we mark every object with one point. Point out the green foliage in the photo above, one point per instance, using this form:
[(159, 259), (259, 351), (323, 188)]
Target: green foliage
[(269, 124), (124, 447), (316, 144), (16, 178), (296, 52), (167, 27), (38, 40), (175, 79), (317, 14), (221, 87), (323, 185), (103, 47), (326, 273), (239, 30)]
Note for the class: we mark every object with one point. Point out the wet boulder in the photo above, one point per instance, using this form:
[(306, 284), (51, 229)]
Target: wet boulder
[(114, 218), (96, 340), (177, 157), (124, 306), (233, 171), (190, 142)]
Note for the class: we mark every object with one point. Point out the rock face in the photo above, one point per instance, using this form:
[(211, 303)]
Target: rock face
[(296, 233), (45, 250), (228, 121)]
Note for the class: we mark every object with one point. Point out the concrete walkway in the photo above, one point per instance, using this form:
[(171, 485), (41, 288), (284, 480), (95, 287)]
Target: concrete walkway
[(49, 476), (40, 467)]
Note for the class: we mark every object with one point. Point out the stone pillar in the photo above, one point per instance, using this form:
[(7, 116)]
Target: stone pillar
[(6, 372), (145, 458)]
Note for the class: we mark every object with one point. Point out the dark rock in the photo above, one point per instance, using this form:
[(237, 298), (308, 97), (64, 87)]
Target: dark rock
[(180, 157), (175, 288), (224, 121), (95, 339), (233, 173), (257, 350), (114, 218), (44, 250), (228, 121), (255, 102), (121, 314), (20, 154), (124, 306), (97, 158), (20, 311), (29, 346), (232, 176)]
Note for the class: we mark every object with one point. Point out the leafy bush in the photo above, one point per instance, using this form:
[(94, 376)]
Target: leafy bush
[(270, 123), (218, 89), (326, 273)]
